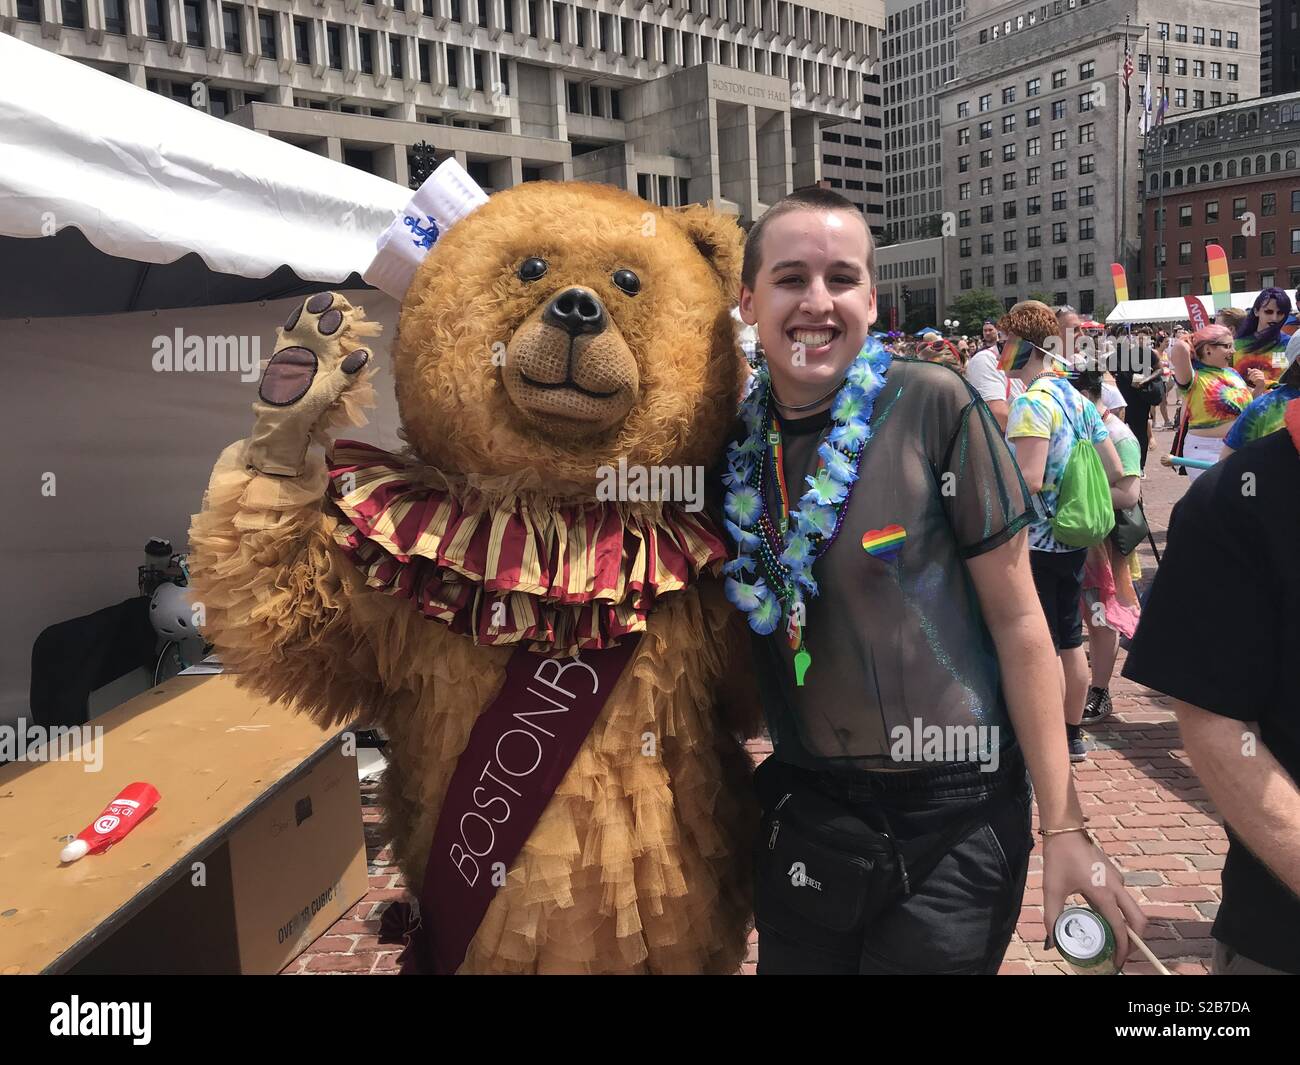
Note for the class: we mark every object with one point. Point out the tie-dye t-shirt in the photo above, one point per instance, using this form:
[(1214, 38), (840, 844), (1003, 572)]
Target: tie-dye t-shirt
[(1041, 412), (1272, 361), (1217, 395), (1263, 416)]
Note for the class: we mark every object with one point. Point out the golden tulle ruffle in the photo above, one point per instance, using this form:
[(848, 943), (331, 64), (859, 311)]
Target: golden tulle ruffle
[(562, 578)]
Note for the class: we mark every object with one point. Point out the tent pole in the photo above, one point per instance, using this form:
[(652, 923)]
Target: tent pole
[(139, 286)]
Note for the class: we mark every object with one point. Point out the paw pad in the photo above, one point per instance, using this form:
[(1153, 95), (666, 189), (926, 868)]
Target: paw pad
[(287, 377), (329, 322), (355, 361)]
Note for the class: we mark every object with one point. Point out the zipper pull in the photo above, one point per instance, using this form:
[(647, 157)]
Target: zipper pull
[(771, 843)]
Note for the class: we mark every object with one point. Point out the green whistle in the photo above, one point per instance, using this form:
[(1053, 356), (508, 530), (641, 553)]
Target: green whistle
[(802, 660)]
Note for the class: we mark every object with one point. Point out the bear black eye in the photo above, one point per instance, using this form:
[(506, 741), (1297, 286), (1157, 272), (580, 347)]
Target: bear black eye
[(627, 281), (532, 268)]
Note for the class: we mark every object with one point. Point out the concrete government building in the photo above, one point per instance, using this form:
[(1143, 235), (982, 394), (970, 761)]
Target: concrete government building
[(681, 101), (1035, 135)]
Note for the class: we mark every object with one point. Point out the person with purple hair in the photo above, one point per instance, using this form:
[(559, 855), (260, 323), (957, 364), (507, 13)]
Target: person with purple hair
[(1260, 355)]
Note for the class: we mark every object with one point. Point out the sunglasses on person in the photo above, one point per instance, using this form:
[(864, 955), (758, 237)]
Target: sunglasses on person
[(1019, 356)]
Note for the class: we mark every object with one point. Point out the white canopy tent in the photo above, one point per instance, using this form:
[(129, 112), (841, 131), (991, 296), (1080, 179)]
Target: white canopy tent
[(149, 180), (127, 219), (1169, 309)]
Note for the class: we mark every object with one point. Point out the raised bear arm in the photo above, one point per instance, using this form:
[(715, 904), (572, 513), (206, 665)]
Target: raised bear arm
[(276, 592)]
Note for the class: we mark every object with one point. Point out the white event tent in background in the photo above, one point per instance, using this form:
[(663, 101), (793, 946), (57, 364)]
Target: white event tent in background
[(149, 179), (1169, 309), (126, 217)]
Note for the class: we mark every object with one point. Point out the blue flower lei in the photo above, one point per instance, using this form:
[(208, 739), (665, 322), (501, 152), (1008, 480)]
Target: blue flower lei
[(786, 575)]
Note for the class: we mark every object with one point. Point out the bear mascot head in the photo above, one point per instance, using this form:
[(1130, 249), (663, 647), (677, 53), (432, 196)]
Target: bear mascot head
[(563, 327)]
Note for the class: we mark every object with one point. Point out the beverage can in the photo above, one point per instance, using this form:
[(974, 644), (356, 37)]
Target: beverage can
[(1084, 939)]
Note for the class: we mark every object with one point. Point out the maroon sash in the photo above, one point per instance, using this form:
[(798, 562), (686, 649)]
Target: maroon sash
[(518, 752)]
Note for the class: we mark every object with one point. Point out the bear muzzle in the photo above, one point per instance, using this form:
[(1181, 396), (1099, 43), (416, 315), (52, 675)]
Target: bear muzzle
[(568, 369)]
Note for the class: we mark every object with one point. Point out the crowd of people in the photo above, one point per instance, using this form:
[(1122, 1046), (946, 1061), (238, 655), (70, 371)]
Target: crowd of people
[(999, 518), (1234, 378)]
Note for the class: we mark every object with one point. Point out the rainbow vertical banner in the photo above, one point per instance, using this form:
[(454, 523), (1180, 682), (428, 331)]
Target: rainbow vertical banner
[(1120, 279), (1220, 287)]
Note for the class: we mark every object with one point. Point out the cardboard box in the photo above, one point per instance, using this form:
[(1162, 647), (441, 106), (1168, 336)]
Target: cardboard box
[(298, 865), (262, 896), (255, 848)]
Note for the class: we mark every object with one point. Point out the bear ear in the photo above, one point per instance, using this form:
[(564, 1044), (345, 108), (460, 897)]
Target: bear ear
[(718, 238)]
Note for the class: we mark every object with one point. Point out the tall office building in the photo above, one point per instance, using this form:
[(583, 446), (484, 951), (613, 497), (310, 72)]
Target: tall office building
[(853, 163), (1042, 164), (1279, 47), (920, 58), (719, 101)]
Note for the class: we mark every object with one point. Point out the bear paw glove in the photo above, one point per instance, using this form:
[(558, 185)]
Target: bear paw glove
[(319, 358)]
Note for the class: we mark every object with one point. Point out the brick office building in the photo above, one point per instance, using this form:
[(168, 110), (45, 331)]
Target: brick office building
[(1231, 176)]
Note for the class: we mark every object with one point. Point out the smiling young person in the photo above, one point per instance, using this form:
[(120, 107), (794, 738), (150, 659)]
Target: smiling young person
[(905, 669)]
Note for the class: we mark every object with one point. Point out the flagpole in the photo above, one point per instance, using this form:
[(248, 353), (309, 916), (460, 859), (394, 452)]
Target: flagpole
[(1122, 258), (1160, 270), (1144, 128)]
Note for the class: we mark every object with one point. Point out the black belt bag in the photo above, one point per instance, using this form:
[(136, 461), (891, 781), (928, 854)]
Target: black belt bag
[(823, 875)]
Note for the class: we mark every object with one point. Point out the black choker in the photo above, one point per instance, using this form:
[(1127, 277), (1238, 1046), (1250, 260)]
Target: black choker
[(805, 406)]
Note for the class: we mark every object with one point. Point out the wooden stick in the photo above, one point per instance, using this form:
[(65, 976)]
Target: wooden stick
[(1149, 956)]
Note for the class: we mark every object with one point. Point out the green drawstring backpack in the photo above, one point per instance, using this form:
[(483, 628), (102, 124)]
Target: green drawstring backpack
[(1084, 514)]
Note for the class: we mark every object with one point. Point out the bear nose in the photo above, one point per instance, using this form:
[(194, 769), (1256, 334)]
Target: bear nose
[(576, 311)]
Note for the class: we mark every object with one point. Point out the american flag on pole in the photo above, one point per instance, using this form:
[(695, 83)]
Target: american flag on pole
[(1127, 74)]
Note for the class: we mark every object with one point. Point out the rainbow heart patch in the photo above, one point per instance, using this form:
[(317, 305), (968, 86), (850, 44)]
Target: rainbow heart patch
[(886, 543)]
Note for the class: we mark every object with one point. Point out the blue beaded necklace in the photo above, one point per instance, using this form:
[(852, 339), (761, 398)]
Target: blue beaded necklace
[(772, 571)]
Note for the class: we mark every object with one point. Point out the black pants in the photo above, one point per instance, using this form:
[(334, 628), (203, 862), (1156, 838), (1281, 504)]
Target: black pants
[(961, 917), (1137, 416)]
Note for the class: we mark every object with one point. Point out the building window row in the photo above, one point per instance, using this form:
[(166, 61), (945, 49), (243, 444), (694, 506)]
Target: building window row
[(1087, 72), (1086, 164), (1217, 37), (1199, 68), (1246, 167), (596, 26)]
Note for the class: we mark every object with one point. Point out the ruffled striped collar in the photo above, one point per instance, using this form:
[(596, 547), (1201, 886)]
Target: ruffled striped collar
[(562, 578)]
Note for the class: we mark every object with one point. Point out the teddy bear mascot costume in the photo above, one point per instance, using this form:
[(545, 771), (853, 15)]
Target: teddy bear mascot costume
[(566, 789)]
